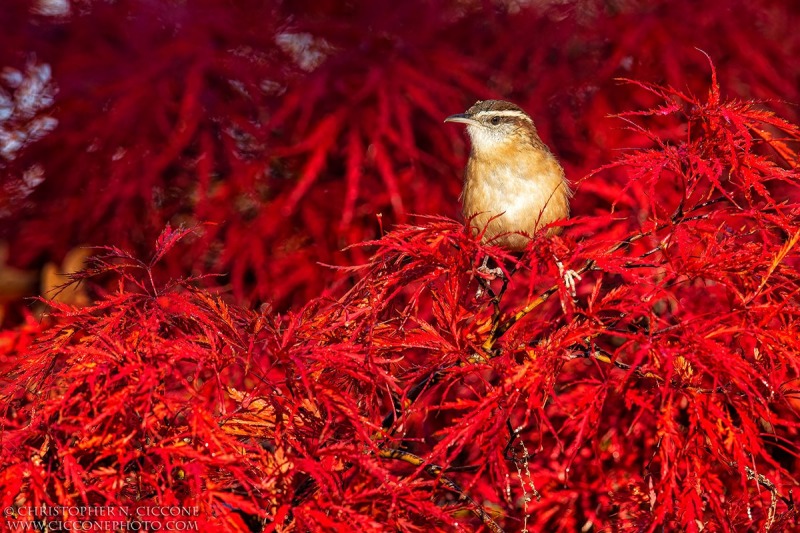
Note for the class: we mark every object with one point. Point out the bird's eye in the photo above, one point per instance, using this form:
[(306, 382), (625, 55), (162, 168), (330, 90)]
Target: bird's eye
[(495, 120)]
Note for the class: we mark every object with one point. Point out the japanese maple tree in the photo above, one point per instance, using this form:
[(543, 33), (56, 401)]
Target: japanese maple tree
[(284, 325)]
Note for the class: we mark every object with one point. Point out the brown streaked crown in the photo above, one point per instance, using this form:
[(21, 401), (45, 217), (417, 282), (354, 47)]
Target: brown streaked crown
[(504, 118), (493, 105)]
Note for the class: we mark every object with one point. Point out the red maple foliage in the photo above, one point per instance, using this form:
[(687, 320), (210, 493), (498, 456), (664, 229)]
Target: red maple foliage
[(408, 392)]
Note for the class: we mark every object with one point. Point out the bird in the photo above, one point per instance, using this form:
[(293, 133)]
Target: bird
[(513, 184)]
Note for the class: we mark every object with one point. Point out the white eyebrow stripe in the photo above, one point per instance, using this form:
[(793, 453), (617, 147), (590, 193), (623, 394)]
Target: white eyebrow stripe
[(505, 113)]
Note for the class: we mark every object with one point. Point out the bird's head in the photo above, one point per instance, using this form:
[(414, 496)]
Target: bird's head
[(495, 126)]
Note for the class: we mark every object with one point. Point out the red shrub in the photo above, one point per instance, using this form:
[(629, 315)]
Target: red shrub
[(290, 126)]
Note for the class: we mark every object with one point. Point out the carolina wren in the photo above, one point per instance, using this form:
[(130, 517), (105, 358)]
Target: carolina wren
[(513, 185)]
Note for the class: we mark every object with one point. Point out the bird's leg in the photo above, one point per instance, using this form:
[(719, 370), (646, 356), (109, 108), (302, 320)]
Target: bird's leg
[(483, 288), (496, 303)]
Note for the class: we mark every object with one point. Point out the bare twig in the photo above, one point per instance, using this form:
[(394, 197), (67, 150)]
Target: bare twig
[(502, 327), (767, 484), (438, 472)]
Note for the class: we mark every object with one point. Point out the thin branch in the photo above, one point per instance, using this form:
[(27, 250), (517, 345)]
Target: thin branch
[(500, 329), (438, 473), (767, 484)]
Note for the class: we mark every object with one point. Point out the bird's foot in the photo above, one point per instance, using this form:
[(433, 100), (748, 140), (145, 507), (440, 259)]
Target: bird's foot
[(486, 276), (569, 276), (491, 273)]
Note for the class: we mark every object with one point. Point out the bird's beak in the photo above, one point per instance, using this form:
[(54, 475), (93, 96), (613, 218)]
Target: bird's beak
[(463, 118)]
